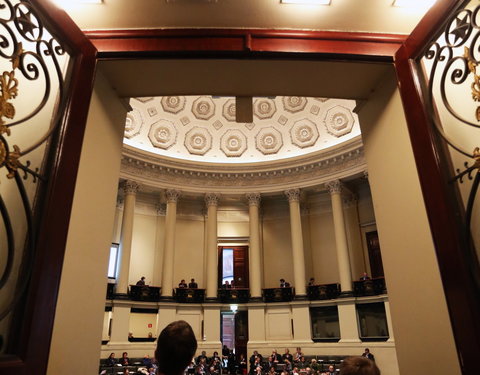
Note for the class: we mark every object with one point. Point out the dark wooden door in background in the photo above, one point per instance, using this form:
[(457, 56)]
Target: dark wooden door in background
[(240, 265), (241, 333)]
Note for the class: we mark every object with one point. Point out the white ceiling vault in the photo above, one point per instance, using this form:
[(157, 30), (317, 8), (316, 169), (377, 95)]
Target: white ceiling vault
[(203, 128)]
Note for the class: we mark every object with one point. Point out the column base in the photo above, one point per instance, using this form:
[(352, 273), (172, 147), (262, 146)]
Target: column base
[(211, 299), (346, 294), (255, 299), (301, 297), (167, 299), (123, 296)]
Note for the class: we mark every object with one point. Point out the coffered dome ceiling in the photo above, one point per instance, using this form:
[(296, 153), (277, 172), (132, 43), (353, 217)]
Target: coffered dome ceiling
[(203, 128)]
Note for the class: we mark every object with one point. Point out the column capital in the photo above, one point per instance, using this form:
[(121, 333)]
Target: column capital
[(293, 195), (172, 195), (253, 199), (334, 187), (130, 187), (211, 199)]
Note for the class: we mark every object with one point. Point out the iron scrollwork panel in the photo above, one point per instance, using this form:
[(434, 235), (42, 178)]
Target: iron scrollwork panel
[(452, 96), (33, 67)]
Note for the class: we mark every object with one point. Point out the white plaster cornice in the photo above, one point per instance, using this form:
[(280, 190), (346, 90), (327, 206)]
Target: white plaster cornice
[(341, 161)]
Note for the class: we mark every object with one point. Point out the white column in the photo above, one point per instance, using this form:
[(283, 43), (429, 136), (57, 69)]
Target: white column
[(169, 247), (343, 258), (302, 334), (298, 255), (159, 244), (211, 326), (130, 188), (389, 321), (211, 200), (347, 319), (120, 322), (255, 256)]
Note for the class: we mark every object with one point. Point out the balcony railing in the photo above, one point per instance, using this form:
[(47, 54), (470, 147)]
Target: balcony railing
[(325, 291), (236, 295), (144, 293), (189, 295), (278, 294), (369, 287)]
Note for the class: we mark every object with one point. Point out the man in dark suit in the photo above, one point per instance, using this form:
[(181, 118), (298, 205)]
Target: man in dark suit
[(368, 355), (192, 284)]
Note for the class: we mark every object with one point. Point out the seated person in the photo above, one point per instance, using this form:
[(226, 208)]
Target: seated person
[(182, 284), (302, 364), (298, 354), (256, 367), (276, 357), (364, 277), (368, 355), (203, 355), (226, 285), (111, 360), (192, 284), (270, 364), (254, 357), (215, 359), (311, 282), (201, 368), (314, 365), (288, 366), (242, 364), (147, 361), (287, 355), (331, 370), (124, 361), (141, 282)]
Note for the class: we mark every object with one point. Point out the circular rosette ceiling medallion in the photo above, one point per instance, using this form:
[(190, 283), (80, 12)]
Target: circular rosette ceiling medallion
[(304, 133), (339, 121), (268, 141), (133, 123), (294, 104), (233, 143), (162, 134), (264, 108), (229, 110), (203, 108), (198, 141), (173, 104)]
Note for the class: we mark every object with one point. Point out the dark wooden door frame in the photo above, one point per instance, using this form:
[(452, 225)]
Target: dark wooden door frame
[(32, 351), (236, 248)]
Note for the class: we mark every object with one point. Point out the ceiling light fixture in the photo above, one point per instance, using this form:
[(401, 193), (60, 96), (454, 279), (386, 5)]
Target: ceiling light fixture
[(424, 4), (307, 2)]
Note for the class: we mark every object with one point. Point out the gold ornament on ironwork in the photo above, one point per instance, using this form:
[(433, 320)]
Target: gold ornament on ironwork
[(475, 86), (3, 154), (9, 91), (12, 161), (476, 157)]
